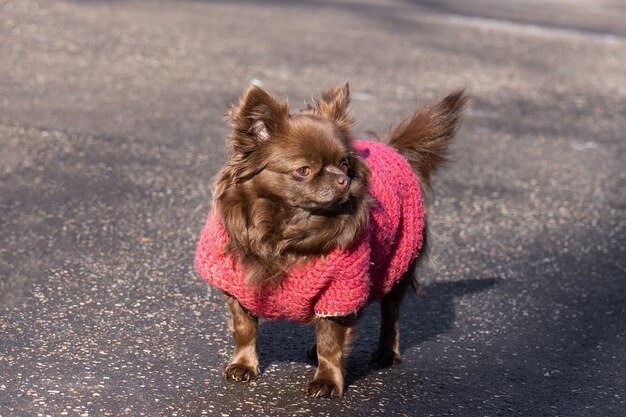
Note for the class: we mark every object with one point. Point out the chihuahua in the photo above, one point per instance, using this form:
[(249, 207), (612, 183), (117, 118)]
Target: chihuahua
[(310, 225)]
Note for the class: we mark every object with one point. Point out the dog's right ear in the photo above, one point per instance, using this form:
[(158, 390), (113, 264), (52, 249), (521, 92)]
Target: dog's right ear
[(334, 105), (258, 116)]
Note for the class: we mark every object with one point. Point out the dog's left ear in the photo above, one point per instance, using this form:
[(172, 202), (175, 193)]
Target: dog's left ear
[(334, 105)]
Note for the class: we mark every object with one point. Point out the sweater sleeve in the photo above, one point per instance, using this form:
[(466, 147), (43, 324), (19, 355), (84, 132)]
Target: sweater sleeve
[(349, 286), (213, 264)]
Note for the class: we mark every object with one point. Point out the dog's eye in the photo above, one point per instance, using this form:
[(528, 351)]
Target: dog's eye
[(304, 171), (344, 166)]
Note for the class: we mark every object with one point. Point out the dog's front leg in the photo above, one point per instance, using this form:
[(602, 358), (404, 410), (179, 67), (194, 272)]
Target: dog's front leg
[(334, 336), (245, 363)]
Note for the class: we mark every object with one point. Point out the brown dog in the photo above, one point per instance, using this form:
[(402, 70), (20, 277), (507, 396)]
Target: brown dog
[(293, 190)]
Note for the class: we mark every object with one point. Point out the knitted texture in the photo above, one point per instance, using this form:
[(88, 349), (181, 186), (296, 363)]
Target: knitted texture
[(344, 281)]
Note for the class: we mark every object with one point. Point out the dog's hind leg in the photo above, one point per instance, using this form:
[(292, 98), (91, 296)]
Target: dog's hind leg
[(245, 363), (388, 351)]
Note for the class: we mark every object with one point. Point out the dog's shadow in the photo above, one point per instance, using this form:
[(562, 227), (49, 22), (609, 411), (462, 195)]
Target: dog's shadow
[(422, 319)]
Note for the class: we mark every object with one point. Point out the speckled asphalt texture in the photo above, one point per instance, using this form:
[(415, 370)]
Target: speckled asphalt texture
[(111, 130)]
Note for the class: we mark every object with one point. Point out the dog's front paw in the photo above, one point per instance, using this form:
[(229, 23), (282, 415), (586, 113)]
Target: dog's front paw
[(324, 388), (240, 372), (385, 357)]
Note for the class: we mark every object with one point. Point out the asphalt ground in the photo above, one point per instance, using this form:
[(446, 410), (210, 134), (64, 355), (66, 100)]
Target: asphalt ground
[(111, 130)]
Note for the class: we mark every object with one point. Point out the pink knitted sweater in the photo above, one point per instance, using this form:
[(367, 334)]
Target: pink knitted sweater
[(344, 281)]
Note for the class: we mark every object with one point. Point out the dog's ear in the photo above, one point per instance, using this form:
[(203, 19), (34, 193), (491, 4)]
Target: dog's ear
[(258, 116), (334, 105)]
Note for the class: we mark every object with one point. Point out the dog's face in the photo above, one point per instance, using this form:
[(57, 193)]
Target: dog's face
[(304, 160), (309, 165)]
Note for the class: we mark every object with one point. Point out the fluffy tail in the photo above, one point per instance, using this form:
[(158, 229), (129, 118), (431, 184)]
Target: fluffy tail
[(424, 138)]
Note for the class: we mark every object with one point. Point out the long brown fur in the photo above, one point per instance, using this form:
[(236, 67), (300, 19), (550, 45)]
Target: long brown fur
[(424, 137), (283, 200), (268, 233)]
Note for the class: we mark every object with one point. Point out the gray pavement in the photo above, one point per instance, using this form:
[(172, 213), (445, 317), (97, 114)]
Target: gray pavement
[(111, 130)]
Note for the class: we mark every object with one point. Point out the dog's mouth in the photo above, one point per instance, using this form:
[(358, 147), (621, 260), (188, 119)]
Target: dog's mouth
[(329, 198), (327, 206)]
